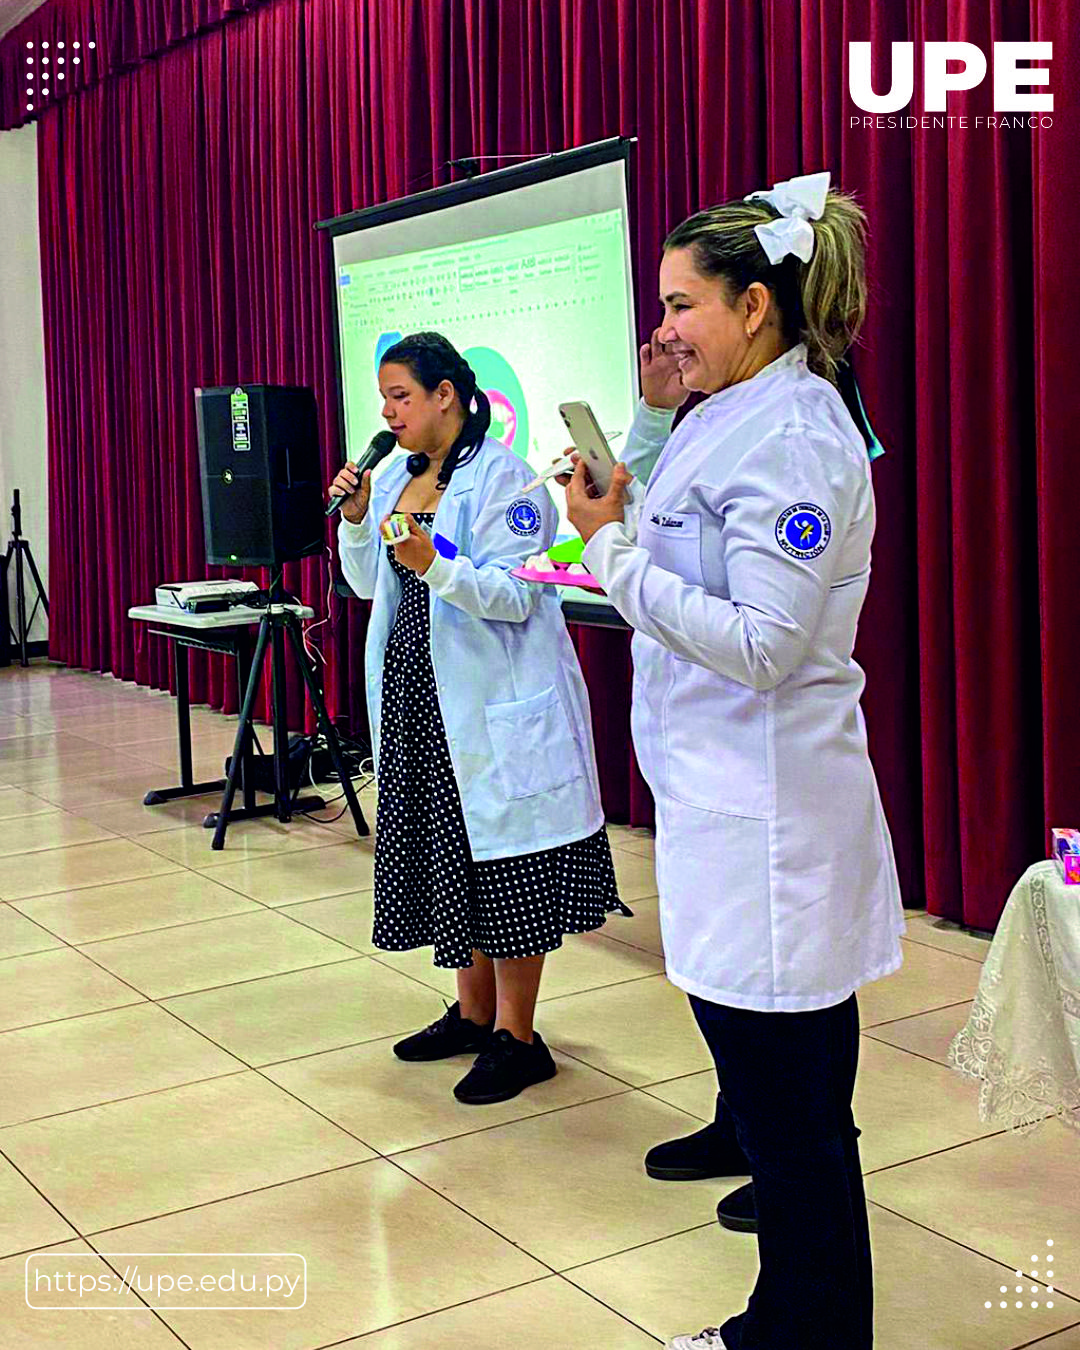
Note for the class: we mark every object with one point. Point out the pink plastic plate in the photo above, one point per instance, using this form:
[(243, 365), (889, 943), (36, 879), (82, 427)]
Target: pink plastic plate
[(559, 576)]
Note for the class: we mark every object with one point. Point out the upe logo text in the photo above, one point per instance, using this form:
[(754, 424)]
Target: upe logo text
[(939, 81)]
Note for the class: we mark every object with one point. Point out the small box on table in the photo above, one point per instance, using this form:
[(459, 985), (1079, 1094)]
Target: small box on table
[(1065, 850)]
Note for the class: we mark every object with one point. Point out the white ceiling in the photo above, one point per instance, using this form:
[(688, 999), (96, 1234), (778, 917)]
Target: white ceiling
[(13, 12)]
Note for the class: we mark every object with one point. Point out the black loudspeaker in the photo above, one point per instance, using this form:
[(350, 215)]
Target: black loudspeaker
[(261, 478)]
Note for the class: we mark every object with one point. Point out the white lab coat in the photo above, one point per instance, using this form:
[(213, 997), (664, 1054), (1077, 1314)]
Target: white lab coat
[(511, 692), (778, 888)]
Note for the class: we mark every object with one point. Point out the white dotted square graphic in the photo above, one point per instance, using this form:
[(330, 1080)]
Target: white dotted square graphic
[(1045, 1289), (43, 66)]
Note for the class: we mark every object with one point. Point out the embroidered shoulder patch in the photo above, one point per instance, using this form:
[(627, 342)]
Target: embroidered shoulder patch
[(523, 517), (803, 530)]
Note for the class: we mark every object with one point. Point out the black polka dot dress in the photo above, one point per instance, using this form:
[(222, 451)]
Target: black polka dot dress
[(428, 889)]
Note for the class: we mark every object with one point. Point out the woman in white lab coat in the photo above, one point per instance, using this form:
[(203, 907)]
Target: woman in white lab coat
[(490, 841), (778, 890)]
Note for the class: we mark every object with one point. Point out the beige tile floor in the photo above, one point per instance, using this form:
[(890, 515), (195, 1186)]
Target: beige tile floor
[(195, 1057)]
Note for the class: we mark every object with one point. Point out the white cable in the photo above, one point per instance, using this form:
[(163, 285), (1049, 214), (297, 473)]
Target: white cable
[(310, 627)]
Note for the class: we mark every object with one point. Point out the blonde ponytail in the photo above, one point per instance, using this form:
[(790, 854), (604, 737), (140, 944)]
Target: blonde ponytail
[(834, 284)]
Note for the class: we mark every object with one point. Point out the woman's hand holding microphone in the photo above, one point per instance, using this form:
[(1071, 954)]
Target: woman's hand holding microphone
[(416, 551), (356, 492)]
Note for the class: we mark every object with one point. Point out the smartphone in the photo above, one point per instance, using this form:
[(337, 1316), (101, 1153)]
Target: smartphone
[(590, 442)]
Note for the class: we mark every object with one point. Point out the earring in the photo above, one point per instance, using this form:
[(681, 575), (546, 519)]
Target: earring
[(750, 335)]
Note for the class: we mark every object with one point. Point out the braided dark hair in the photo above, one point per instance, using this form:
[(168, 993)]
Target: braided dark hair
[(432, 358)]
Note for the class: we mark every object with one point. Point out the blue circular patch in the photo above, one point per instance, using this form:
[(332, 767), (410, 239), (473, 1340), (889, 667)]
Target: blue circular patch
[(803, 530), (523, 517)]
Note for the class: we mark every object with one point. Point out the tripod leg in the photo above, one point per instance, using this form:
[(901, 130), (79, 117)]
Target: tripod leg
[(20, 604), (281, 723), (5, 572), (242, 732), (327, 728), (243, 674), (37, 579)]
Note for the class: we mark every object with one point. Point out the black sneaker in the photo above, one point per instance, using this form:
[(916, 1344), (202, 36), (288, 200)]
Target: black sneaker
[(504, 1069), (738, 1210), (452, 1034), (710, 1152), (696, 1157)]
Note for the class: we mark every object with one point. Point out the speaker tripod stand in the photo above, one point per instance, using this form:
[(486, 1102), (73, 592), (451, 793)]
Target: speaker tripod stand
[(280, 625), (18, 551)]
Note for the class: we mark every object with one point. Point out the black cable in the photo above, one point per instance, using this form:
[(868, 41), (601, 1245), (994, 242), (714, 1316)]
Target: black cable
[(321, 743)]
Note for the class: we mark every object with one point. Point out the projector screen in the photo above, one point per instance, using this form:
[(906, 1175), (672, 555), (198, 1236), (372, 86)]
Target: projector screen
[(526, 271)]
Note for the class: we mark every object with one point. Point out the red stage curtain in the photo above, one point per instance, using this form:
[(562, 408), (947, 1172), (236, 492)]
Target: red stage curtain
[(177, 197)]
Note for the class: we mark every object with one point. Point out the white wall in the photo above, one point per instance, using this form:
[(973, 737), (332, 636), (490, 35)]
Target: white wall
[(22, 356)]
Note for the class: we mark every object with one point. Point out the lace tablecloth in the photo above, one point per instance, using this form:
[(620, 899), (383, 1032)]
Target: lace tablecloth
[(1022, 1039)]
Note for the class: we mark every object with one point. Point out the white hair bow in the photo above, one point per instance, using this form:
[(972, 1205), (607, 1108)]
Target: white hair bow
[(799, 201)]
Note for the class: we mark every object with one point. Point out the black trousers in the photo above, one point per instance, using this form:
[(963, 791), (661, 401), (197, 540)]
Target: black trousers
[(786, 1083)]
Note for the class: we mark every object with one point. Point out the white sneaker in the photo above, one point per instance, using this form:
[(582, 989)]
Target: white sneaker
[(709, 1339)]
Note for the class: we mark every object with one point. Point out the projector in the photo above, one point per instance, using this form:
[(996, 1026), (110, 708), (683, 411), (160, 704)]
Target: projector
[(204, 597)]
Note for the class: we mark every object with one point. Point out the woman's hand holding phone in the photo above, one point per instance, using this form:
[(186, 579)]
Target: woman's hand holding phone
[(587, 509)]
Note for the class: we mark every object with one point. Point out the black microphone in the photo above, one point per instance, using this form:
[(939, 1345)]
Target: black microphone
[(381, 445)]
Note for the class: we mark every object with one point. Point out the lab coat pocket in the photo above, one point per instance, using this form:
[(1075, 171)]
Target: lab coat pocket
[(716, 743), (534, 746), (673, 540)]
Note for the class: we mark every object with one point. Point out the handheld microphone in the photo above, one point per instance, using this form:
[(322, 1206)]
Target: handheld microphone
[(381, 445)]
